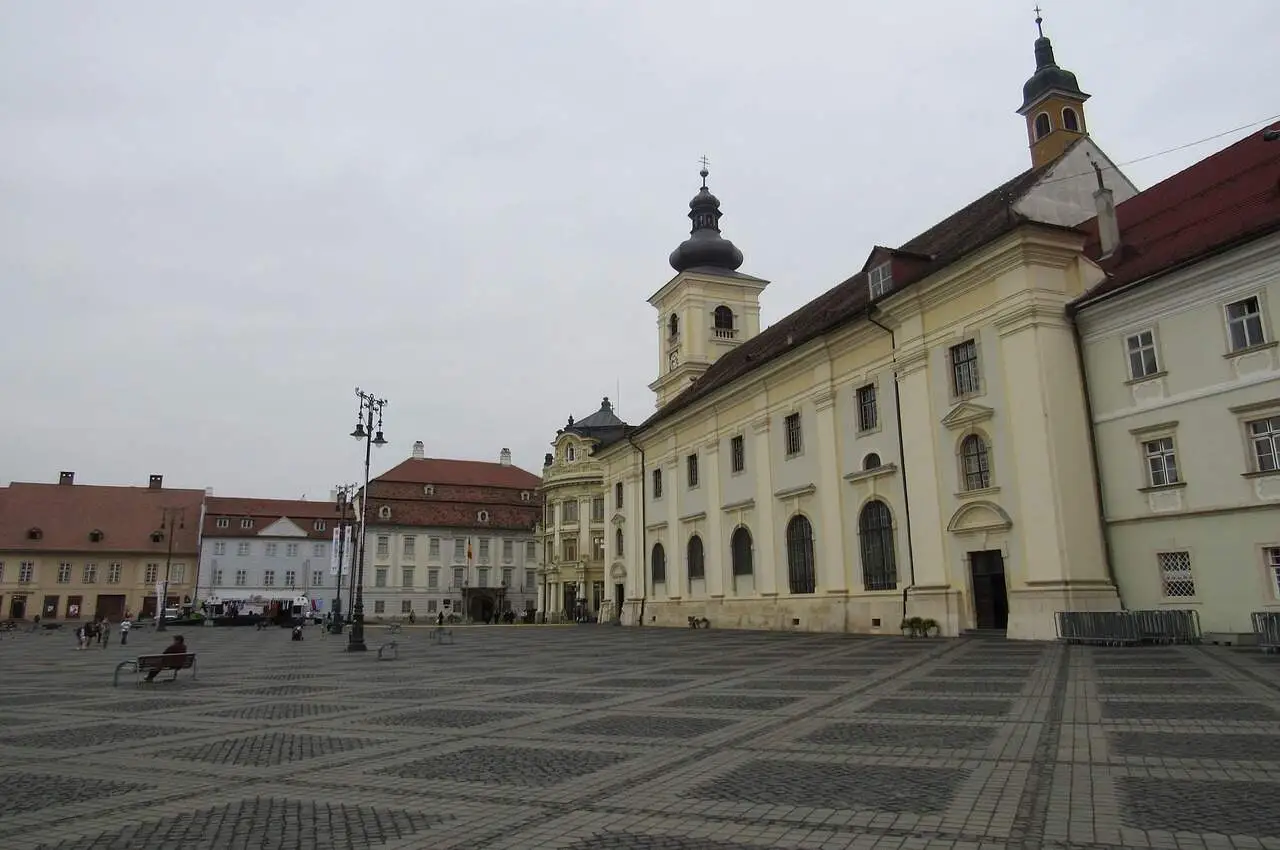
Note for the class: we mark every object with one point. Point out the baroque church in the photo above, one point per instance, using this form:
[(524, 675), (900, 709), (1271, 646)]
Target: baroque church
[(912, 443)]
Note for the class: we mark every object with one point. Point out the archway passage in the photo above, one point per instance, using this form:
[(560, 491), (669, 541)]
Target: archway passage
[(482, 604)]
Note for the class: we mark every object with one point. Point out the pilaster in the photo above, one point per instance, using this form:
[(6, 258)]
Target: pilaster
[(715, 545), (830, 543), (673, 544), (764, 557), (922, 477)]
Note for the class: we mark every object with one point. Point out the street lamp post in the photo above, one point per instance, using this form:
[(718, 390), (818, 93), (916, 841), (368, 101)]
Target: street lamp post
[(172, 519), (370, 407), (344, 501)]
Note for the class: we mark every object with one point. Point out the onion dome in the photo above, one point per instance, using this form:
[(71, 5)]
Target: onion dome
[(705, 247)]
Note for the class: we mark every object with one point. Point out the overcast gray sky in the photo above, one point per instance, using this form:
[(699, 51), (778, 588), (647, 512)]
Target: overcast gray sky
[(217, 219)]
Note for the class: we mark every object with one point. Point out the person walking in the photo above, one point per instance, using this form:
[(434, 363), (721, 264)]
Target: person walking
[(104, 636), (125, 625)]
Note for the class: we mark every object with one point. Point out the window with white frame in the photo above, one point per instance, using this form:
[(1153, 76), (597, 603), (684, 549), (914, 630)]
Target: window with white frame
[(433, 548), (273, 549), (220, 548), (217, 578), (597, 547), (113, 572), (410, 545), (431, 606), (384, 512), (792, 434), (384, 545), (868, 411), (1244, 323), (657, 484), (317, 577), (459, 576), (291, 578), (484, 550), (291, 550), (151, 573), (1176, 579), (975, 462), (26, 572), (965, 379), (64, 573), (318, 525), (90, 573), (268, 578), (222, 522), (317, 550), (482, 516), (1162, 463), (507, 572), (530, 579), (482, 577), (597, 509), (530, 550), (178, 573), (242, 549), (569, 510), (406, 577), (1264, 437), (691, 470), (1141, 348), (737, 454), (406, 605), (459, 549), (380, 607), (433, 579), (242, 578), (246, 523), (1271, 559), (508, 551), (380, 577), (880, 279)]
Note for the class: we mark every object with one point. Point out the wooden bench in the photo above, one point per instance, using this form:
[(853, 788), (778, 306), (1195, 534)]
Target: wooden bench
[(439, 633), (146, 663), (699, 623)]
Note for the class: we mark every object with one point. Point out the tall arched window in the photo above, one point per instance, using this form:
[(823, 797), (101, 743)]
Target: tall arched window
[(740, 551), (723, 318), (697, 567), (800, 571), (617, 543), (1070, 120), (617, 495), (975, 463), (659, 561), (674, 325), (1042, 125), (875, 532)]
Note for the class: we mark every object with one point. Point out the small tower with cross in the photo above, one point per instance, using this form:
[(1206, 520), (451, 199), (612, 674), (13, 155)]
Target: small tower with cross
[(1052, 103)]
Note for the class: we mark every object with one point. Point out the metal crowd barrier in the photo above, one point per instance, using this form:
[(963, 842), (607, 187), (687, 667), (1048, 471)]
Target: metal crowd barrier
[(1128, 628), (1266, 625)]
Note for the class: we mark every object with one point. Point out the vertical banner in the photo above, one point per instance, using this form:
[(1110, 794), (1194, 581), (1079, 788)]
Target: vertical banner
[(160, 595), (333, 552), (342, 540)]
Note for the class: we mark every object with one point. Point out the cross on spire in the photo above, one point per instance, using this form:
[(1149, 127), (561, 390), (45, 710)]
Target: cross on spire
[(704, 172), (1039, 21)]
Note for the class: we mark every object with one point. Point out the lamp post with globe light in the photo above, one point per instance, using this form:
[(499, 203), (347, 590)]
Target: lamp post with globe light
[(370, 410)]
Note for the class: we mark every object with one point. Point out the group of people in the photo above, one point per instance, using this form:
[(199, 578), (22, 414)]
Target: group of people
[(99, 630)]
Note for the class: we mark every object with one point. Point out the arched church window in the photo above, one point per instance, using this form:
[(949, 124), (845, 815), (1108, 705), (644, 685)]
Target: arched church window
[(674, 325), (723, 317), (1042, 125), (871, 461), (659, 563), (697, 565), (875, 533), (617, 543), (800, 569), (1070, 120), (975, 462)]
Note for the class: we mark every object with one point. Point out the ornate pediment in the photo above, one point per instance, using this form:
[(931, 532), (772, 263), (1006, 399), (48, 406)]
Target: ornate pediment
[(977, 517), (965, 414), (618, 570)]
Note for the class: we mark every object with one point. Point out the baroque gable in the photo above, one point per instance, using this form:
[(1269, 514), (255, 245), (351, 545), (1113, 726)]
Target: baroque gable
[(977, 517), (966, 414)]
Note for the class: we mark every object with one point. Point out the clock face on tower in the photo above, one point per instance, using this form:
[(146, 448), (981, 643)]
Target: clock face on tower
[(673, 360)]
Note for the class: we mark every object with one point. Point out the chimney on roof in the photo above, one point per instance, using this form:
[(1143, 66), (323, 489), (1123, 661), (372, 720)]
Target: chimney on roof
[(66, 478), (419, 450), (157, 482), (208, 491), (1108, 225), (504, 457)]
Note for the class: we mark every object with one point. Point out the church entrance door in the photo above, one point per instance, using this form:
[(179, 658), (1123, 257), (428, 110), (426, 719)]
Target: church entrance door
[(990, 593)]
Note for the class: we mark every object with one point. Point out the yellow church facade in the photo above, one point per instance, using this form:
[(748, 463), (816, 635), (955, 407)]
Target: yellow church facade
[(914, 443)]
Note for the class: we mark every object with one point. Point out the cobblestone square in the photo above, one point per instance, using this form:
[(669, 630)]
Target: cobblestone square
[(596, 738)]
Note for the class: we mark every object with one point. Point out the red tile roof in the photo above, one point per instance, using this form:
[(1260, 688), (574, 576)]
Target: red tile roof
[(264, 512), (66, 514), (463, 473), (455, 514), (961, 233), (1222, 201)]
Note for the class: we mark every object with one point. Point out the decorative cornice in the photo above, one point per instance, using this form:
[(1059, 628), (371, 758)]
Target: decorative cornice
[(1032, 314), (761, 425), (696, 515), (911, 360), (656, 526), (966, 413), (740, 505), (711, 446), (867, 474), (1254, 407), (1159, 426), (795, 492), (823, 400)]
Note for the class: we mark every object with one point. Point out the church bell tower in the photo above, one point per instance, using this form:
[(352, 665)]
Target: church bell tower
[(1052, 104)]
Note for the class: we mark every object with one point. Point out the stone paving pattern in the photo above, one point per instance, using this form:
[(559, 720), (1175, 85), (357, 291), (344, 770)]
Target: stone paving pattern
[(601, 738)]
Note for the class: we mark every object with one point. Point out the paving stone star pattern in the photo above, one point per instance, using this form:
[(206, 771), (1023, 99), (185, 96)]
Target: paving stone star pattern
[(597, 738)]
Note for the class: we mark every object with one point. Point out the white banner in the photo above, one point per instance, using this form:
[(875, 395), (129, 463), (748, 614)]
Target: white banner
[(342, 541)]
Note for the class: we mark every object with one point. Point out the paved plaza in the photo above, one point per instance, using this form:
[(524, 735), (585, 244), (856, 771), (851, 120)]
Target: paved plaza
[(595, 737)]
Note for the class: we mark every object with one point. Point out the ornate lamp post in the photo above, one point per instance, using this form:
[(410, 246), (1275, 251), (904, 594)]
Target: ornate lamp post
[(370, 407), (172, 519), (336, 621)]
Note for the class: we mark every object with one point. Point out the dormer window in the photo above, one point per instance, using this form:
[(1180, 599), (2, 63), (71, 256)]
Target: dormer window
[(428, 489), (246, 523), (880, 279), (95, 536), (384, 512), (222, 522), (525, 495), (157, 537), (482, 516), (318, 525), (571, 454), (34, 534)]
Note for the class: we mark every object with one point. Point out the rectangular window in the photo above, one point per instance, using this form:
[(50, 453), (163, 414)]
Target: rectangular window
[(405, 606), (433, 579), (1175, 575), (317, 578), (380, 607), (380, 577), (178, 573), (113, 572), (246, 523), (406, 577), (433, 548), (1141, 348), (272, 550), (1244, 323), (319, 525), (1264, 435), (531, 579), (151, 574), (792, 435), (26, 572), (459, 549), (964, 368), (242, 549), (597, 548), (569, 511), (317, 550), (64, 573), (1271, 557), (597, 509), (691, 468), (484, 550), (508, 551), (530, 551), (268, 578), (1162, 465), (737, 454), (431, 606), (482, 577), (291, 550), (458, 577), (90, 573), (223, 522), (217, 578), (570, 548), (290, 578), (617, 495), (242, 578), (384, 545), (657, 484), (868, 414), (506, 577), (410, 545), (220, 548), (880, 279)]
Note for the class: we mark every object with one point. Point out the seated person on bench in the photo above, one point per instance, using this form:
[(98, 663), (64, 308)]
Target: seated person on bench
[(178, 647)]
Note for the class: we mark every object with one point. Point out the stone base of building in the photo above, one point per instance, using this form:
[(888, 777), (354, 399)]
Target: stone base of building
[(941, 603), (1032, 608), (838, 613)]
